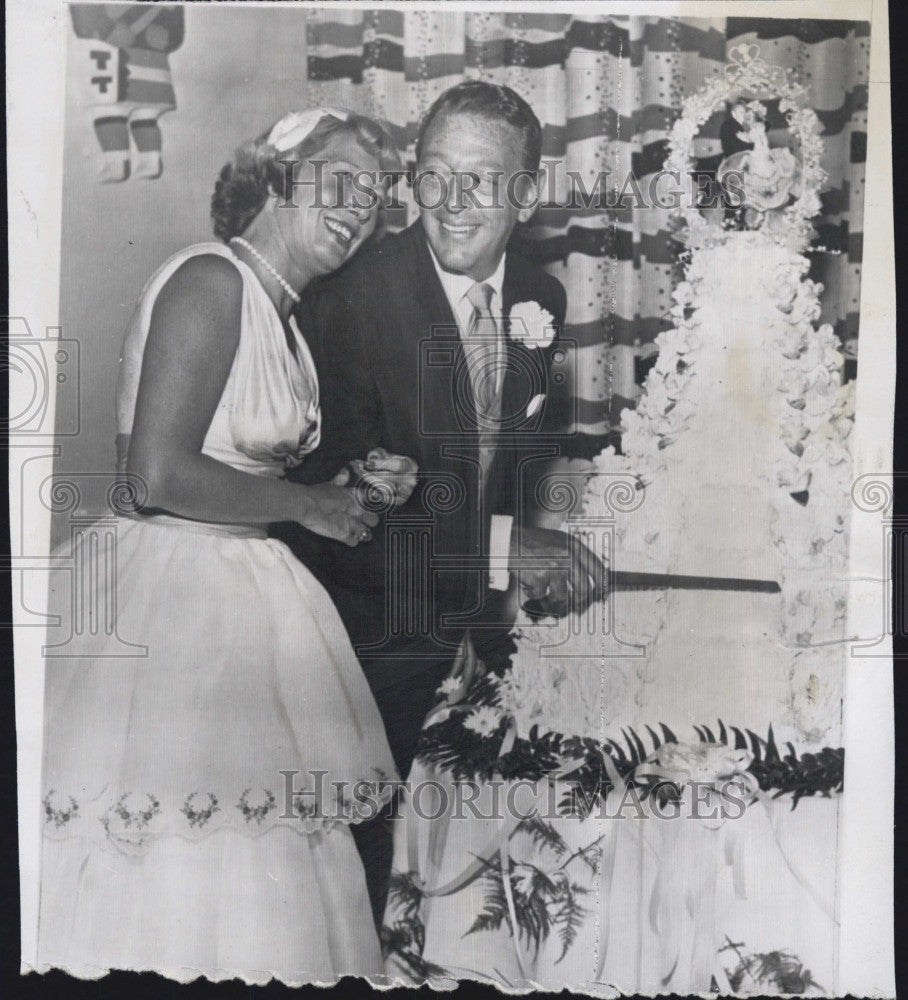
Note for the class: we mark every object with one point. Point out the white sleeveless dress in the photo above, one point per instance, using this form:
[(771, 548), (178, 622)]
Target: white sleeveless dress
[(175, 840)]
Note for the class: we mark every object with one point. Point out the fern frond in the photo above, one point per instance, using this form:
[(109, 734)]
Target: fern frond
[(543, 834)]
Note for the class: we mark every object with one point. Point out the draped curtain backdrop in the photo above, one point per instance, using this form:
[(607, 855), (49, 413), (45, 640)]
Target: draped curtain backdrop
[(607, 90)]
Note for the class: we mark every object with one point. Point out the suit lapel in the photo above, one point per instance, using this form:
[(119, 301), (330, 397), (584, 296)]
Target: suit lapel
[(429, 292), (515, 352), (447, 385), (525, 377)]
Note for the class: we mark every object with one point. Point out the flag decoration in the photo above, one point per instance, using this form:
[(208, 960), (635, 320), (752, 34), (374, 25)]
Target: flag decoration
[(122, 56)]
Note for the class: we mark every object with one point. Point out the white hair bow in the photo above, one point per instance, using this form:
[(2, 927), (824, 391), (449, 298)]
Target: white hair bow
[(295, 126)]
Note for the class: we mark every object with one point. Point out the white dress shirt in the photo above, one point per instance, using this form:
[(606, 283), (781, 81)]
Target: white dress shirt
[(456, 287)]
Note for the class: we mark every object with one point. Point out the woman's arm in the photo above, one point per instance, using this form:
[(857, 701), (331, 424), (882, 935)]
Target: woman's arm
[(192, 341)]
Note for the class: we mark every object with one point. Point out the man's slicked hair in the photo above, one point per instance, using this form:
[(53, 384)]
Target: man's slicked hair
[(493, 103)]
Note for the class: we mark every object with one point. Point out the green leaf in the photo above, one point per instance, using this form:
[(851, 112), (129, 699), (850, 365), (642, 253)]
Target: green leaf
[(639, 748)]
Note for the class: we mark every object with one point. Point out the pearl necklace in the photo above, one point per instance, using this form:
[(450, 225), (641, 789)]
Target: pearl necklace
[(270, 268)]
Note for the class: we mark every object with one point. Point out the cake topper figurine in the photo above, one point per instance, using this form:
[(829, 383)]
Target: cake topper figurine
[(766, 179)]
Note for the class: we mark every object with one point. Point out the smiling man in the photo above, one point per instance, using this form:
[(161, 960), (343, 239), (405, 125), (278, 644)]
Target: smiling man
[(417, 354), (470, 211)]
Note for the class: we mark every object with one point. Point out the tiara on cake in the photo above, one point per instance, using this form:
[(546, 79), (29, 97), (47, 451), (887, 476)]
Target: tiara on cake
[(748, 75)]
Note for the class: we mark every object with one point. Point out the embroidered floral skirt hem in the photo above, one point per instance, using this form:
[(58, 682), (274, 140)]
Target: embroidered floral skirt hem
[(203, 760), (283, 905)]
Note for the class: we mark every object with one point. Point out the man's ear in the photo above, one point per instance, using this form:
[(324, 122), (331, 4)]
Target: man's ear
[(527, 192)]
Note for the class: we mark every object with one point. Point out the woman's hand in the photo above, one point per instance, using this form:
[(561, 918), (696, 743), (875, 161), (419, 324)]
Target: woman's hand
[(387, 480), (332, 510)]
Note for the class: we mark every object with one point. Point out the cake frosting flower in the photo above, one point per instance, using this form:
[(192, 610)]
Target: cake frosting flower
[(781, 355)]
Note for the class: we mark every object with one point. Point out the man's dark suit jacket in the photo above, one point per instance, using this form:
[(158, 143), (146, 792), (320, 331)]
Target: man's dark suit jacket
[(387, 350)]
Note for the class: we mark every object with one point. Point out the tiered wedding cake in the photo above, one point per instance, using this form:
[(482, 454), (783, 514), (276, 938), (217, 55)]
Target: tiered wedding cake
[(735, 463)]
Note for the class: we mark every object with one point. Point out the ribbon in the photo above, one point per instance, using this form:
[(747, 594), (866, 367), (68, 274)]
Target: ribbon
[(799, 877), (713, 766), (504, 857), (717, 765), (497, 844), (709, 764), (297, 125), (607, 867), (483, 858)]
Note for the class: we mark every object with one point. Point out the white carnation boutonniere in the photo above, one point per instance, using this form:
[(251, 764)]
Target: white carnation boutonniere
[(531, 325)]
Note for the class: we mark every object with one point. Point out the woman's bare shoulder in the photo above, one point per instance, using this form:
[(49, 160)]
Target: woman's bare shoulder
[(205, 292), (205, 274)]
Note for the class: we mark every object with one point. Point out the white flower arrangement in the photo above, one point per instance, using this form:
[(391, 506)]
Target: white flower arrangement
[(531, 325)]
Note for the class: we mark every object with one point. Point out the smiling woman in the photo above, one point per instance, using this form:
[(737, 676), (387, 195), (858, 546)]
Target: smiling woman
[(323, 159)]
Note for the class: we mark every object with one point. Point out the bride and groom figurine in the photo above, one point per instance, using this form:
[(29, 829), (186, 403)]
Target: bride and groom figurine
[(764, 177)]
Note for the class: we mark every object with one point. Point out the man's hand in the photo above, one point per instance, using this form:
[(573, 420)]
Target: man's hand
[(384, 479), (555, 571)]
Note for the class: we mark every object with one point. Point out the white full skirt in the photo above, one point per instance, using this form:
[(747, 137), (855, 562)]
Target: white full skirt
[(205, 722)]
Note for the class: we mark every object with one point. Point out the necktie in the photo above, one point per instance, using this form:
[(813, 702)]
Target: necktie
[(485, 360), (483, 354)]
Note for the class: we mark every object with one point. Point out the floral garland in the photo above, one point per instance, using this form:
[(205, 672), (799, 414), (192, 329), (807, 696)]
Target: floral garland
[(473, 752)]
